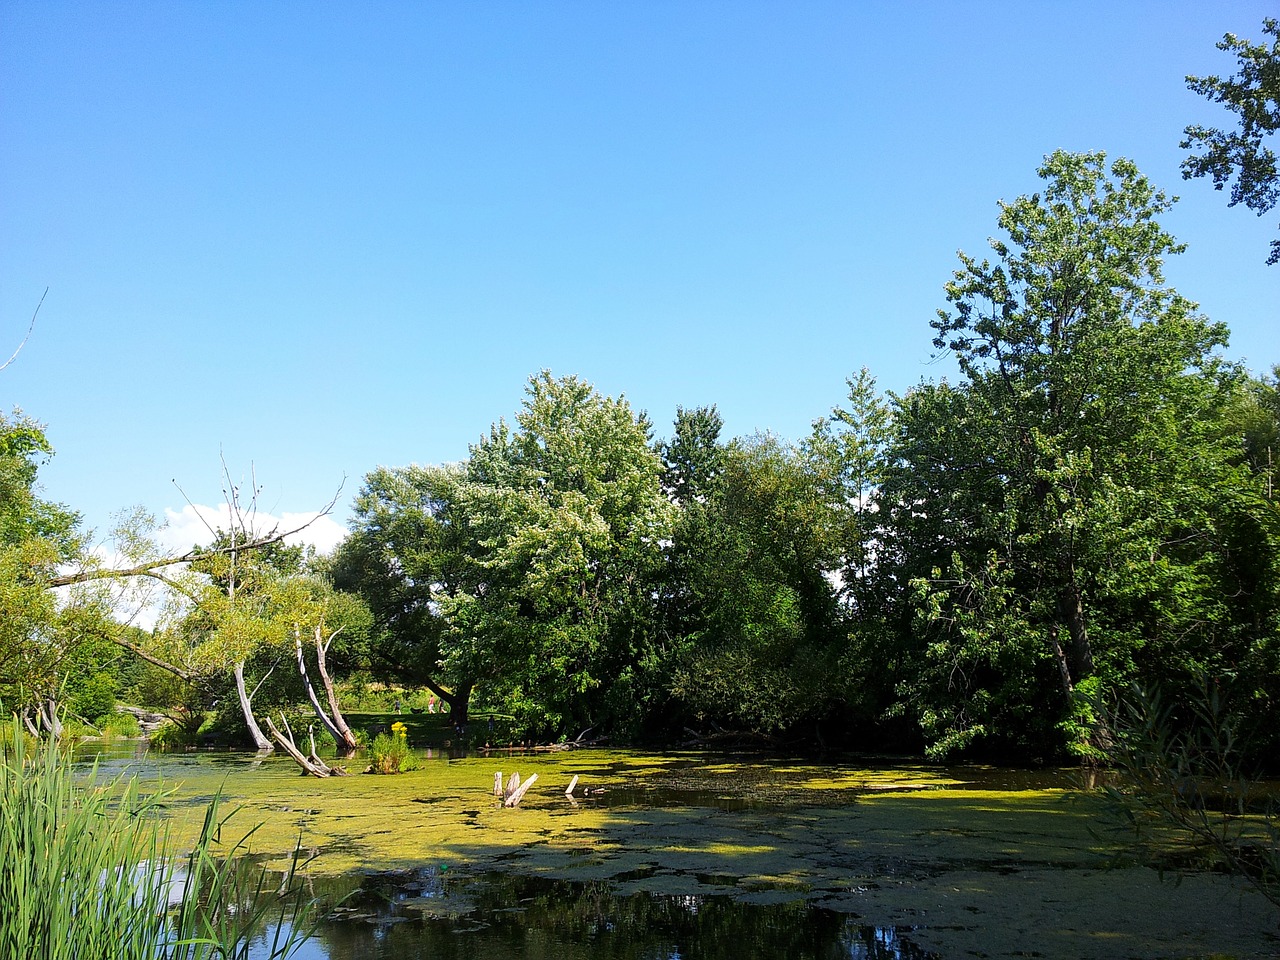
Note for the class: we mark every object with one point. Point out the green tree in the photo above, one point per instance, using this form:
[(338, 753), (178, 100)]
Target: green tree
[(847, 454), (750, 592), (41, 635), (263, 607), (409, 547), (570, 518), (692, 461), (530, 569), (1079, 462), (1253, 93)]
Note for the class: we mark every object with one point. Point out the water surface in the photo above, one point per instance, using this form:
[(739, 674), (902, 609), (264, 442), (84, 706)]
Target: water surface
[(698, 854)]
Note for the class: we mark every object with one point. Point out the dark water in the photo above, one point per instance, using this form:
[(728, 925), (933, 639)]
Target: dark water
[(430, 913)]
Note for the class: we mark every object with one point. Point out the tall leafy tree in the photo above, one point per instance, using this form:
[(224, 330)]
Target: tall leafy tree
[(693, 459), (571, 517), (1253, 93), (530, 570), (410, 547), (1075, 463), (40, 635), (847, 452), (752, 590)]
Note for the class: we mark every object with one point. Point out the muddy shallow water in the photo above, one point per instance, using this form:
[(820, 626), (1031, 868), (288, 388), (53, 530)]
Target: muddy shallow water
[(692, 854)]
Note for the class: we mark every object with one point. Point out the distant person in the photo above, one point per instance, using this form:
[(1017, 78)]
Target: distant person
[(397, 704)]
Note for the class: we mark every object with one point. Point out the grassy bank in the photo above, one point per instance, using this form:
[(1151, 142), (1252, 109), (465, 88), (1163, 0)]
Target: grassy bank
[(88, 872)]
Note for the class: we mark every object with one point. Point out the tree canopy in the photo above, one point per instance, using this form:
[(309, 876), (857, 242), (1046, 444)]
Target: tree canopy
[(1253, 93)]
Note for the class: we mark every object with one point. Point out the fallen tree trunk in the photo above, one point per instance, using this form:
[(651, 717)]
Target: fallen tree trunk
[(310, 764)]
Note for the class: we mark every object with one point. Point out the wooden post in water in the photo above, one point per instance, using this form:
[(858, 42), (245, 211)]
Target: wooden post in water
[(572, 783), (515, 798)]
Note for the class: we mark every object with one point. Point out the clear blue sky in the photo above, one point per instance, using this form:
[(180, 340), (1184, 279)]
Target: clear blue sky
[(323, 237)]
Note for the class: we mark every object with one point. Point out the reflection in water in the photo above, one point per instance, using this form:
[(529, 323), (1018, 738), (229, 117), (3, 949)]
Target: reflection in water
[(433, 913)]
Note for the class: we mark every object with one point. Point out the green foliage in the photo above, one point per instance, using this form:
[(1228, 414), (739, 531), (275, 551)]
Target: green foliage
[(1066, 495), (174, 736), (1253, 93), (846, 452), (692, 459), (41, 637), (121, 725), (749, 592), (244, 611), (390, 753), (1185, 790), (527, 569), (96, 696), (87, 873), (24, 516), (408, 546)]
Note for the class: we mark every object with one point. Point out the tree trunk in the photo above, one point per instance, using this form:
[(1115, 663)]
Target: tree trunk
[(1060, 657), (49, 715), (459, 699), (311, 692), (460, 704), (310, 764), (345, 738), (1073, 612), (1080, 656), (246, 707)]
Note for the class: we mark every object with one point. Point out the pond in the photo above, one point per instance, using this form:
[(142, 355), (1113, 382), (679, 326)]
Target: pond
[(698, 854)]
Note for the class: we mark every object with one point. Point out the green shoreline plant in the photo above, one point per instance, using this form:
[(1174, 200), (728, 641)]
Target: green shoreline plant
[(390, 753), (1184, 791), (85, 872)]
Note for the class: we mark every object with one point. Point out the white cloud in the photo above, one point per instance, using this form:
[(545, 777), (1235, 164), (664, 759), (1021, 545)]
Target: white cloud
[(194, 525), (140, 600)]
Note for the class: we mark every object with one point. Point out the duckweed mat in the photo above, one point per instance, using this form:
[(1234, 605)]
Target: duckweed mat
[(945, 862)]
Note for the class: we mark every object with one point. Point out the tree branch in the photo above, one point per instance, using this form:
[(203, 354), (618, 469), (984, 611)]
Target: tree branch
[(30, 327), (150, 567), (155, 661)]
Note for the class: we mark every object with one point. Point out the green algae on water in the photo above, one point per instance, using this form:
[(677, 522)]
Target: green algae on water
[(977, 860)]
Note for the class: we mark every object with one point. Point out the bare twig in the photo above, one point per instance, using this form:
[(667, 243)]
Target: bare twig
[(30, 327)]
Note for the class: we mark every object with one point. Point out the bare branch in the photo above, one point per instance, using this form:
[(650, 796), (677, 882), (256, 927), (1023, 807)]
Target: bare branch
[(154, 660), (30, 327), (151, 566), (212, 532)]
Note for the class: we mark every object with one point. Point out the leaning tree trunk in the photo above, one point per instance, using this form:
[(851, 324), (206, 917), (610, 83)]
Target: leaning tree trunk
[(246, 707), (335, 723), (48, 713), (348, 741)]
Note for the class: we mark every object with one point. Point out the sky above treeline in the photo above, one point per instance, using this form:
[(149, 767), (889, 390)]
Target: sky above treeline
[(310, 239)]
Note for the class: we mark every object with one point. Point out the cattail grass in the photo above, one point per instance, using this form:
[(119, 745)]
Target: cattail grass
[(85, 873)]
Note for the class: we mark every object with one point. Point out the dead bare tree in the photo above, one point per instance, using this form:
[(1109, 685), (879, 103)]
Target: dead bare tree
[(333, 720), (309, 762)]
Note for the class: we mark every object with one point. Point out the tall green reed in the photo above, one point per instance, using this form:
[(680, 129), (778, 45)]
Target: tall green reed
[(1182, 787), (85, 873)]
